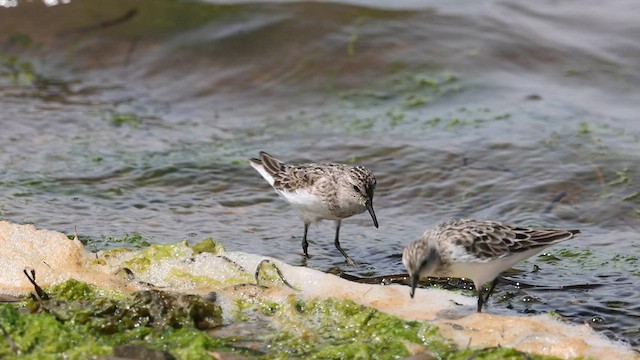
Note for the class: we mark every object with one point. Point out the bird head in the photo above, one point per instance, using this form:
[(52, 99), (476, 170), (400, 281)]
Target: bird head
[(362, 186), (421, 259)]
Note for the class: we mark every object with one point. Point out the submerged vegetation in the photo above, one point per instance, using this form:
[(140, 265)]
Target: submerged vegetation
[(402, 100), (399, 99), (585, 259), (17, 70), (133, 241)]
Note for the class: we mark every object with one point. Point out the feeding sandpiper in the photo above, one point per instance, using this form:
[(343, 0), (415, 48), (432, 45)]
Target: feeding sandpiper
[(323, 191), (475, 250)]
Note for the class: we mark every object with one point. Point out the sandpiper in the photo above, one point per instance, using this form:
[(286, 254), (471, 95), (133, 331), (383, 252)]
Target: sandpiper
[(323, 191), (476, 250)]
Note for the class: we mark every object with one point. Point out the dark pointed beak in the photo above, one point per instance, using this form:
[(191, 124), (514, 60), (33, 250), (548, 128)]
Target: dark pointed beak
[(369, 206), (414, 283)]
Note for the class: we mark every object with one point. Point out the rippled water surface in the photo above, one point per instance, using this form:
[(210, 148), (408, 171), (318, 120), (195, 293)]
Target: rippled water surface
[(128, 117)]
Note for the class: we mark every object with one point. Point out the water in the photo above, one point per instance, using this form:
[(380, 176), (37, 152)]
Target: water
[(140, 117)]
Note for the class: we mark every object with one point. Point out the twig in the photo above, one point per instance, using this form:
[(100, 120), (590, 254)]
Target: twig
[(31, 275)]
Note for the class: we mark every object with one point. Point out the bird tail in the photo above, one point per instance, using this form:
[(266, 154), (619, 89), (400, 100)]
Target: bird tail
[(267, 166), (271, 164)]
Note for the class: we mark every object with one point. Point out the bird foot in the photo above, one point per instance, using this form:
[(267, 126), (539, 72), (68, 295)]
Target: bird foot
[(352, 263)]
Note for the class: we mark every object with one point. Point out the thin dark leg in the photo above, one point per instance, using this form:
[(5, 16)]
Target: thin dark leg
[(483, 299), (480, 299), (305, 244), (493, 286), (337, 243)]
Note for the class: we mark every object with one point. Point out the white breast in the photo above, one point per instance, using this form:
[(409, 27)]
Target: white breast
[(311, 208), (482, 272)]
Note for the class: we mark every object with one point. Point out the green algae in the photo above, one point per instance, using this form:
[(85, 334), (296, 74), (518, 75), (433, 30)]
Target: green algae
[(131, 241), (268, 274), (198, 280), (115, 252), (622, 178), (18, 71), (209, 246), (73, 290), (143, 259), (333, 329), (130, 119), (20, 38), (598, 147), (585, 259), (413, 101), (36, 336), (403, 97), (138, 264), (81, 321), (336, 328), (355, 36)]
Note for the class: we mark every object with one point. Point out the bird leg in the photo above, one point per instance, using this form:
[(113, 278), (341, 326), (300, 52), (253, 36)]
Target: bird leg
[(480, 300), (485, 298), (337, 243), (493, 286), (305, 244)]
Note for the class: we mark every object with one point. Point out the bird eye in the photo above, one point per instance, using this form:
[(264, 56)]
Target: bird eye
[(356, 188)]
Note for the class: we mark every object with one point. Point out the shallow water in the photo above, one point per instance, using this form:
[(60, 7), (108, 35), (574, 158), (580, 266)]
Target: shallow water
[(140, 116)]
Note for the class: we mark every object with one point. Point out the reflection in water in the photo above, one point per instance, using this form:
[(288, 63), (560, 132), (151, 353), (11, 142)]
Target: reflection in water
[(520, 113)]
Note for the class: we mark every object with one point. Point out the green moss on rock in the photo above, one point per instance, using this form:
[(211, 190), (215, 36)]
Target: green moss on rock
[(198, 280), (143, 259), (73, 290), (81, 321), (208, 245)]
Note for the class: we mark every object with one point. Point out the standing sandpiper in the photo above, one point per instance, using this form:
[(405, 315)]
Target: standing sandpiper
[(475, 250), (320, 191)]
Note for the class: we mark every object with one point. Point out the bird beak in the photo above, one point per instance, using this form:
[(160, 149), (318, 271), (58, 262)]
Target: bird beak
[(369, 206), (414, 283)]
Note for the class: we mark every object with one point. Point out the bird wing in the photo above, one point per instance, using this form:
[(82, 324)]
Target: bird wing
[(291, 177), (490, 240)]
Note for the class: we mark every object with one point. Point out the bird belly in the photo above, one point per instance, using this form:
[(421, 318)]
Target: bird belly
[(479, 273), (310, 207), (483, 272)]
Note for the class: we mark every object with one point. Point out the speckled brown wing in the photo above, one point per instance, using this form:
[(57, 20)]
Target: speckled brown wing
[(298, 176), (490, 240), (291, 177)]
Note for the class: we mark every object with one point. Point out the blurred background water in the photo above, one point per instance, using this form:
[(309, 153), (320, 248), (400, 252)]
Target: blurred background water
[(127, 117)]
